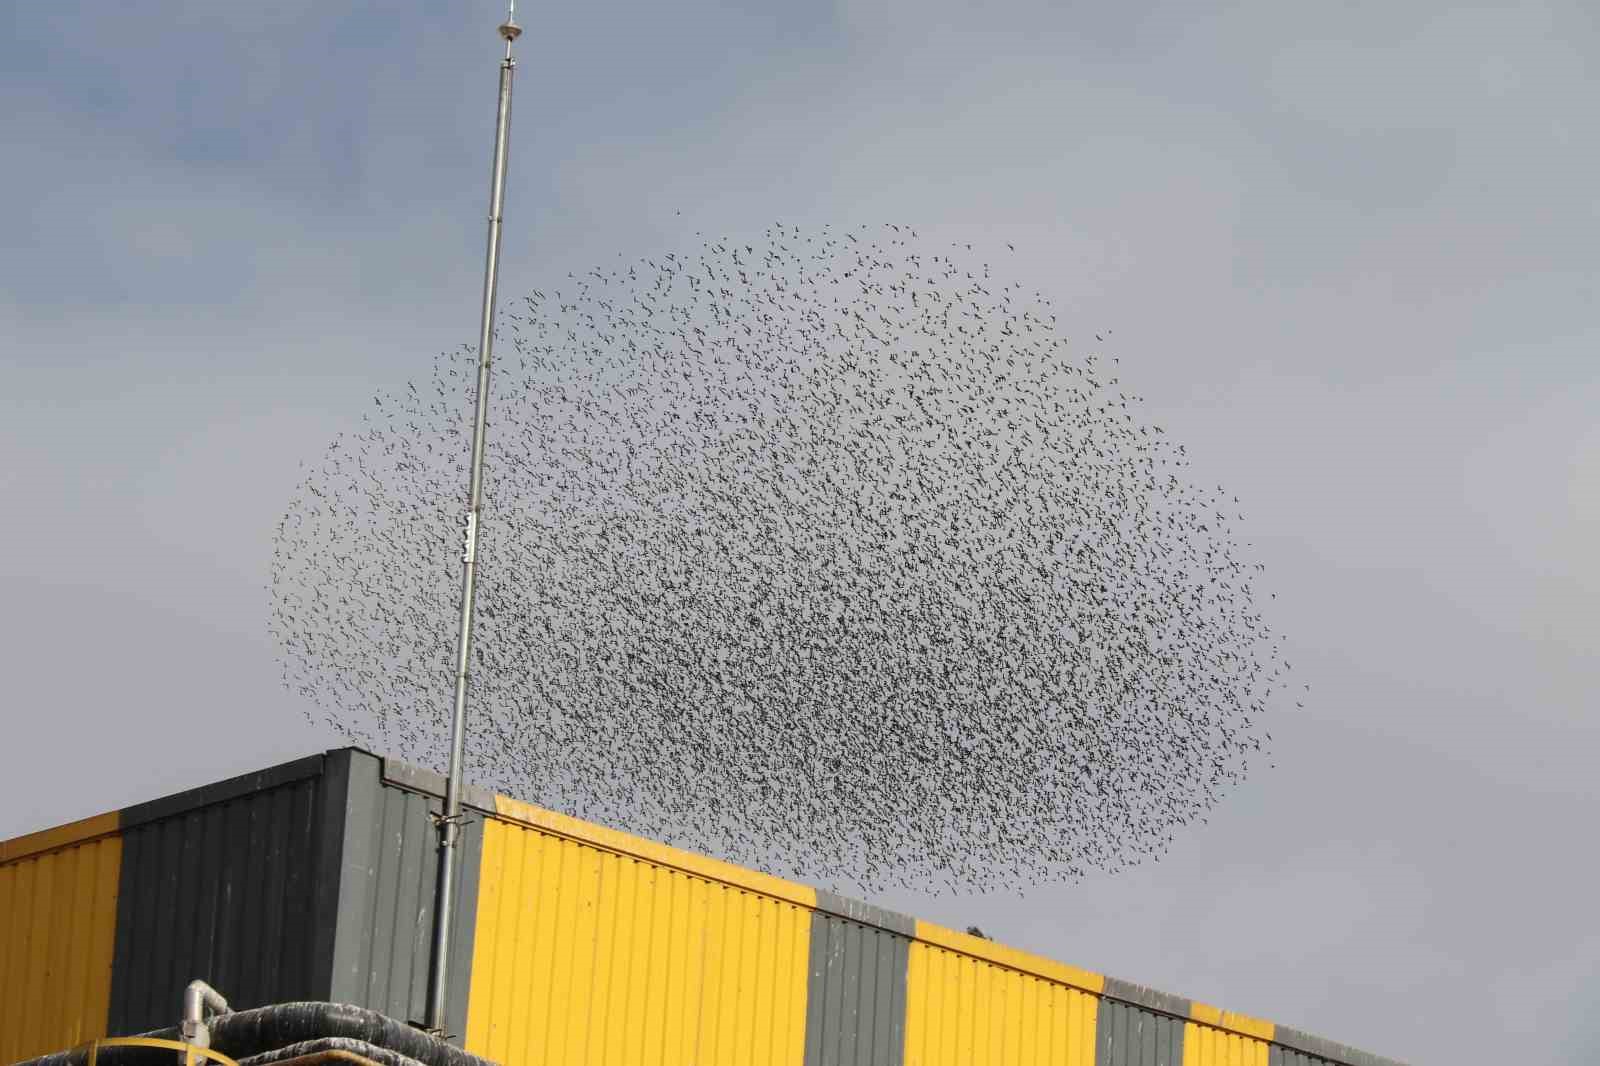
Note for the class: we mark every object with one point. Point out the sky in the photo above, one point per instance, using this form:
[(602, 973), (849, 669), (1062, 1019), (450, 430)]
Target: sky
[(1347, 253)]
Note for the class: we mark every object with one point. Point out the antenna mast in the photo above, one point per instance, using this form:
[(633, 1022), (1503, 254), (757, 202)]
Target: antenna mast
[(450, 821)]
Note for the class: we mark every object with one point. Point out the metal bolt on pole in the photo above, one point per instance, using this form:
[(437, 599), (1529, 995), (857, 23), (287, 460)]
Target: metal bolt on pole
[(450, 822)]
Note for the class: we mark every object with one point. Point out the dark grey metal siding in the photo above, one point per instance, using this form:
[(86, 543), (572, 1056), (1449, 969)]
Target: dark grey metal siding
[(310, 880), (1130, 1035), (856, 991), (1294, 1048), (314, 880), (222, 883), (385, 903)]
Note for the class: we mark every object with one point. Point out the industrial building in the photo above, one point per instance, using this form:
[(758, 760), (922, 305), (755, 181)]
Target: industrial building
[(313, 882)]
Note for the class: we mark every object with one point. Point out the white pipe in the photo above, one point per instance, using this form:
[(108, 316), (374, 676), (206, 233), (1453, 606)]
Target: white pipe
[(196, 999)]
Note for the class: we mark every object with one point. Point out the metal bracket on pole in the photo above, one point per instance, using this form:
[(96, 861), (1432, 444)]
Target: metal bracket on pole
[(469, 540)]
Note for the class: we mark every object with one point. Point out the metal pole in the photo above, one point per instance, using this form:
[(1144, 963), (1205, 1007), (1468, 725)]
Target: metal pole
[(449, 824)]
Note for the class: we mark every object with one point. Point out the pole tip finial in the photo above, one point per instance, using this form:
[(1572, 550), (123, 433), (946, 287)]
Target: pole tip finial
[(509, 29)]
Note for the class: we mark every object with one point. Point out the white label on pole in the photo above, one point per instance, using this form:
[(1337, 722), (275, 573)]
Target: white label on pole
[(470, 547)]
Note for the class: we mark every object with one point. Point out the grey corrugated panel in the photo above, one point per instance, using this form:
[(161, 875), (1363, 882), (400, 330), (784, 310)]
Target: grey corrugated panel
[(1303, 1049), (217, 883), (335, 813), (385, 907), (856, 993), (1141, 996), (378, 924), (1290, 1047), (1287, 1056), (406, 826), (865, 913), (1130, 1035), (418, 779)]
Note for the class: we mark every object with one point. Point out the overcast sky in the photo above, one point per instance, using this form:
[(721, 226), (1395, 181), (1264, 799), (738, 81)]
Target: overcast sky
[(1348, 252)]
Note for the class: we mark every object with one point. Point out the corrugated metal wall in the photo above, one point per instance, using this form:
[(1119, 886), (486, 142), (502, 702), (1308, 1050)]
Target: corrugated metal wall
[(1143, 1027), (597, 947), (388, 874), (309, 880), (1130, 1035), (574, 943), (967, 1010), (591, 955), (1222, 1038), (1283, 1056), (1205, 1046), (856, 986), (1294, 1048), (58, 893), (221, 883)]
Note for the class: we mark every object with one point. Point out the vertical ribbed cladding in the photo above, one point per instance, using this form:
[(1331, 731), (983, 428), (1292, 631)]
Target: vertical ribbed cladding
[(1214, 1035), (597, 946), (1139, 1026), (313, 880), (1204, 1046), (1282, 1056), (856, 984), (1133, 1036), (58, 892), (385, 904), (308, 881), (972, 1002), (222, 883), (1291, 1047)]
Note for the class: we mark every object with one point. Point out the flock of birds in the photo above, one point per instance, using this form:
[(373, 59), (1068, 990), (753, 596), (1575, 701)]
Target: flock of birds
[(816, 552)]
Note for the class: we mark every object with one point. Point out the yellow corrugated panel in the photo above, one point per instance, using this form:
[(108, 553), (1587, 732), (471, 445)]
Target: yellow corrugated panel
[(59, 837), (973, 1002), (1011, 958), (1204, 1045), (597, 947), (58, 914), (526, 814), (1227, 1019)]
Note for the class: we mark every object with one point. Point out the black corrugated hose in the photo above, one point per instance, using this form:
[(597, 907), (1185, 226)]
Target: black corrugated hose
[(261, 1033), (380, 1055)]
